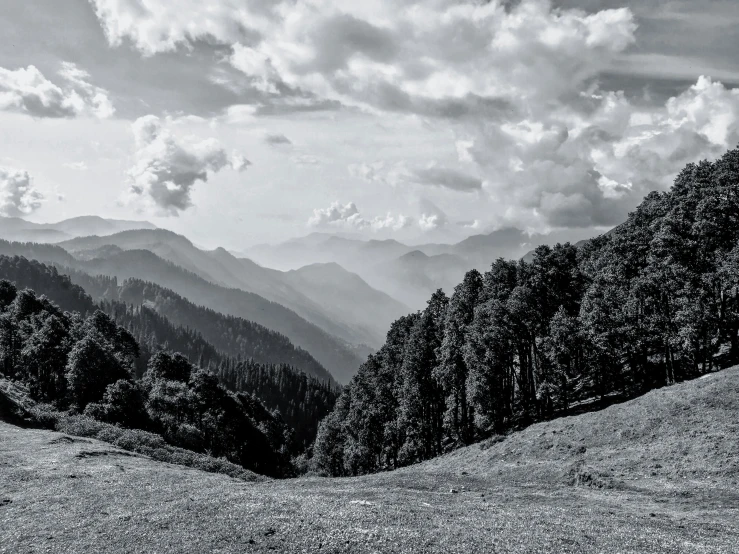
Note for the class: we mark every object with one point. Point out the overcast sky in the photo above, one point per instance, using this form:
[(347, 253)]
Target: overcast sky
[(244, 121)]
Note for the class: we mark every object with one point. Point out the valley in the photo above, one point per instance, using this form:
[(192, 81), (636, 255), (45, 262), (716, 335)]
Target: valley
[(640, 477)]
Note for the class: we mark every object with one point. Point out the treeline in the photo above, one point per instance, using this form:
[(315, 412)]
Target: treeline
[(653, 302), (85, 365), (301, 400)]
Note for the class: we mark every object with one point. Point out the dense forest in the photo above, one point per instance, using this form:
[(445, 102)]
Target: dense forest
[(291, 395), (652, 302), (86, 365), (231, 335)]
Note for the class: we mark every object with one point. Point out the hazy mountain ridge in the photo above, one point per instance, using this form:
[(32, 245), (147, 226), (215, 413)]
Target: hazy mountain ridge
[(20, 230), (366, 323), (392, 267), (339, 358), (143, 264), (245, 356)]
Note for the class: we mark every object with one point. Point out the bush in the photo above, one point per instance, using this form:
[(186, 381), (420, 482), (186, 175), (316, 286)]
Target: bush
[(135, 440), (138, 441), (96, 410), (79, 425)]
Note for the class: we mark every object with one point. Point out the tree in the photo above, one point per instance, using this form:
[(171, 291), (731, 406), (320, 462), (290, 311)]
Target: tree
[(8, 292), (165, 365), (452, 370), (43, 359), (489, 353), (120, 342), (90, 368), (422, 403), (123, 404), (328, 449)]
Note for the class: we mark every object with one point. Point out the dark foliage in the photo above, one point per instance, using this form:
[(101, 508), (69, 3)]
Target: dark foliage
[(653, 302), (142, 333), (86, 364)]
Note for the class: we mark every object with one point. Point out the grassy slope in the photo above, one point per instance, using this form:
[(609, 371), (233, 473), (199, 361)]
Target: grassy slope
[(657, 474)]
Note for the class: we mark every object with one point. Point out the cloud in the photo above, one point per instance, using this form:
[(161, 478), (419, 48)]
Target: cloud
[(239, 162), (432, 217), (26, 90), (167, 168), (77, 166), (434, 57), (348, 216), (370, 172), (391, 222), (590, 163), (380, 172), (276, 139), (430, 222), (470, 224), (17, 196), (431, 175), (515, 84), (95, 99), (157, 26), (336, 213), (446, 178)]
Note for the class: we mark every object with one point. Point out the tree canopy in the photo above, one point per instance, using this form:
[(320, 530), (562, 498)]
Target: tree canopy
[(652, 302)]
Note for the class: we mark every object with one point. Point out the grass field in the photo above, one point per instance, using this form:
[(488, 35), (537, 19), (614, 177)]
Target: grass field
[(656, 474)]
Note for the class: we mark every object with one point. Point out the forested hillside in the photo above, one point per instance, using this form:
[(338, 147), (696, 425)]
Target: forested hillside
[(335, 355), (233, 336), (653, 302), (331, 352), (86, 365), (301, 400), (293, 290)]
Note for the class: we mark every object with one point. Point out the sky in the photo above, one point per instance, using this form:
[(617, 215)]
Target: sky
[(239, 122)]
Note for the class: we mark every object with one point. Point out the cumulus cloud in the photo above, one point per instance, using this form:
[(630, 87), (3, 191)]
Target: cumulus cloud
[(276, 139), (336, 213), (17, 196), (432, 217), (166, 168), (157, 26), (430, 222), (417, 56), (589, 164), (391, 222), (27, 90), (515, 82), (348, 216)]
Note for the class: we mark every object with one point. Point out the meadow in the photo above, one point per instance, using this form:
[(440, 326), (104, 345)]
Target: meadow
[(655, 474)]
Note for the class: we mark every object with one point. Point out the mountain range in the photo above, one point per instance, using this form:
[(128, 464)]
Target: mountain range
[(332, 295), (21, 230), (339, 357), (407, 272), (348, 308)]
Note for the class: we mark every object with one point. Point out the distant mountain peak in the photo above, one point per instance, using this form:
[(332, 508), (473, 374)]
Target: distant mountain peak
[(414, 255)]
